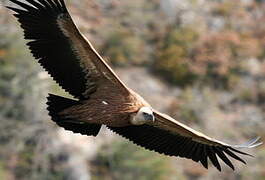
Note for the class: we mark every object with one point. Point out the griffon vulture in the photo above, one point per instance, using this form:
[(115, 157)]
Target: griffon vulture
[(101, 98)]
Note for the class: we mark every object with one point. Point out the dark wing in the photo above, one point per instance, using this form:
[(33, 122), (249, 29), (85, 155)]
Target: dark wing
[(169, 137), (61, 49)]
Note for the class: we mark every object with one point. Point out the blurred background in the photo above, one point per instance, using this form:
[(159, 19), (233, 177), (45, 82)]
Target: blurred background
[(200, 61)]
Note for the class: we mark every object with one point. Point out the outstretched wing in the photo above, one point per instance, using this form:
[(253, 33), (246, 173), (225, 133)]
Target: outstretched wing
[(170, 137), (60, 48)]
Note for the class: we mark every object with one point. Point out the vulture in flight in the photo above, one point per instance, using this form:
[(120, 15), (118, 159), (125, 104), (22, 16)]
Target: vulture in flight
[(101, 98)]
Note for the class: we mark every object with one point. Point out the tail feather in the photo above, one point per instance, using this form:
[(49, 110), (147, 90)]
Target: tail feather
[(57, 104)]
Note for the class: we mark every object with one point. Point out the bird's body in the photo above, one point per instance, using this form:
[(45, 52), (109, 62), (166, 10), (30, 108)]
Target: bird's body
[(101, 98), (108, 108)]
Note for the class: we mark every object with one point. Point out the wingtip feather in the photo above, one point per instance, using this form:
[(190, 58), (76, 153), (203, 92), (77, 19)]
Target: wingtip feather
[(250, 144)]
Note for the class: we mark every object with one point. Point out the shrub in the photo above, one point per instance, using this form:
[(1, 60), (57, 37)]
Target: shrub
[(123, 48), (172, 58)]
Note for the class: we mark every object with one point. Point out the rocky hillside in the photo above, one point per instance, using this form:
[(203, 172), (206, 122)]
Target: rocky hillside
[(201, 61)]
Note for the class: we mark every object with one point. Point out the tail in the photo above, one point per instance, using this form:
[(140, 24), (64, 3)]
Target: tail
[(57, 104)]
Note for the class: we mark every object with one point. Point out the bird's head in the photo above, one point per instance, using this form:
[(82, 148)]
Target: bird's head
[(144, 115)]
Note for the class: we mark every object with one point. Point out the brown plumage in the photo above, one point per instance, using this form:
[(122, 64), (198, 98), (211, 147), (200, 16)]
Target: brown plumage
[(101, 98)]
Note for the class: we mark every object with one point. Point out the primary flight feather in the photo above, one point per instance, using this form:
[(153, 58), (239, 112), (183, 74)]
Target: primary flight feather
[(101, 97)]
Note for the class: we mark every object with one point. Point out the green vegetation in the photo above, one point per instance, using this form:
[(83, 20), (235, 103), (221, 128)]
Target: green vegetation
[(3, 171), (123, 48), (124, 160), (172, 59)]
